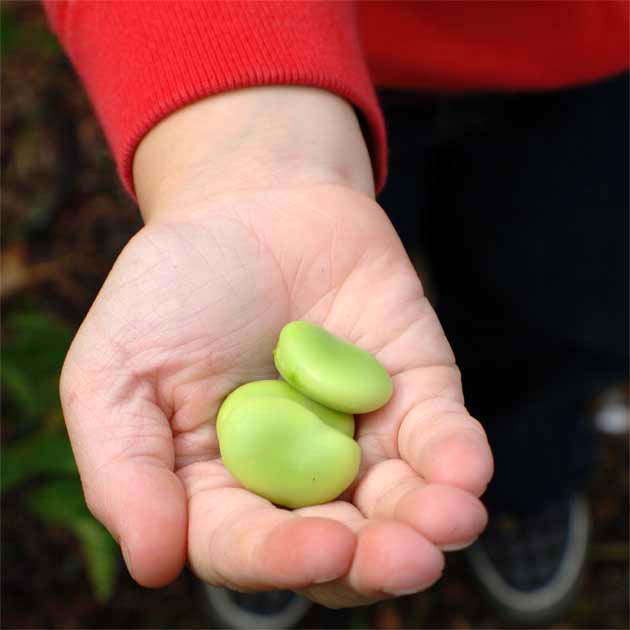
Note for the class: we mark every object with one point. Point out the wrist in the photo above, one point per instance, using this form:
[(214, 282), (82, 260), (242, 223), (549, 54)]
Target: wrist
[(251, 139)]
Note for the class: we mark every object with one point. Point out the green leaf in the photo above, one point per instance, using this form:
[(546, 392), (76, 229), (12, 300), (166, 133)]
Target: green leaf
[(35, 345), (101, 556), (61, 503), (42, 453), (34, 348)]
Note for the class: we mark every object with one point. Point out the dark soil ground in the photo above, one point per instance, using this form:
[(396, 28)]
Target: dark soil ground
[(65, 218)]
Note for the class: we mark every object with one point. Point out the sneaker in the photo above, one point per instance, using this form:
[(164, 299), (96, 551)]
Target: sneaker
[(269, 609), (531, 567)]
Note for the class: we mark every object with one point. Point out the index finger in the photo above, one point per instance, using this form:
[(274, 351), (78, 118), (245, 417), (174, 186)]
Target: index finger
[(123, 447)]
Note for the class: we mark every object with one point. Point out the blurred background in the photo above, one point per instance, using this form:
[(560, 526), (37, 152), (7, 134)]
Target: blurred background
[(65, 218)]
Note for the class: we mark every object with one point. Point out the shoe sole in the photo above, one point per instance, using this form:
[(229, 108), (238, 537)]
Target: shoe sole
[(225, 611), (546, 604)]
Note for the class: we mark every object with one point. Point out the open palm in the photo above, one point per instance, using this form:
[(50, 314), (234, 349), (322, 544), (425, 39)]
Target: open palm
[(191, 310)]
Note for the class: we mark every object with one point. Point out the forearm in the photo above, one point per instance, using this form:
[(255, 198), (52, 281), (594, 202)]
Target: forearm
[(256, 138)]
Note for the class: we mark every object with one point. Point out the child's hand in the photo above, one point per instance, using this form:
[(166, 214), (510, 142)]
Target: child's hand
[(191, 310)]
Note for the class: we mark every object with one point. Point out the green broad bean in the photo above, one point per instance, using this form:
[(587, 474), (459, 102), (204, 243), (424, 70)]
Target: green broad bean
[(331, 371), (281, 450), (291, 441), (343, 422)]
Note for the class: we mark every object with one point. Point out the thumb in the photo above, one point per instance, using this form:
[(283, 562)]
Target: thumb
[(123, 446)]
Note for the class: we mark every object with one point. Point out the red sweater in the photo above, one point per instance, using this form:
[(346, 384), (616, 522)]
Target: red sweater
[(142, 60)]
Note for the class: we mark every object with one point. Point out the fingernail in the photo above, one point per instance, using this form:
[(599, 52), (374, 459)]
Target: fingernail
[(458, 546), (323, 580)]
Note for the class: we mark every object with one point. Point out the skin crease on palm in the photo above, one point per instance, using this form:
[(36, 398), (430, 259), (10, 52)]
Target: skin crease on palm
[(193, 308)]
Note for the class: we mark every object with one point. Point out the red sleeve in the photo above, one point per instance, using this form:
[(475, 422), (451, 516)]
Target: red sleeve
[(140, 61)]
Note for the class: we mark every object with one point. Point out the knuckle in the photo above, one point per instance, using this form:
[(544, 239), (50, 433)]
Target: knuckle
[(475, 425)]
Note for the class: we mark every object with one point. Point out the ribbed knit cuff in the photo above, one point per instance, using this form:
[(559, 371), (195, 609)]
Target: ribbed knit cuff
[(140, 61)]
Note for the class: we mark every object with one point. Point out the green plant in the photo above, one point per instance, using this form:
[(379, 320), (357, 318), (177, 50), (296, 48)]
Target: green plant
[(38, 460)]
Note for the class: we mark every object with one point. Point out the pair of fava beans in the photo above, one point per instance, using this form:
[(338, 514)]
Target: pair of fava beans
[(291, 441)]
